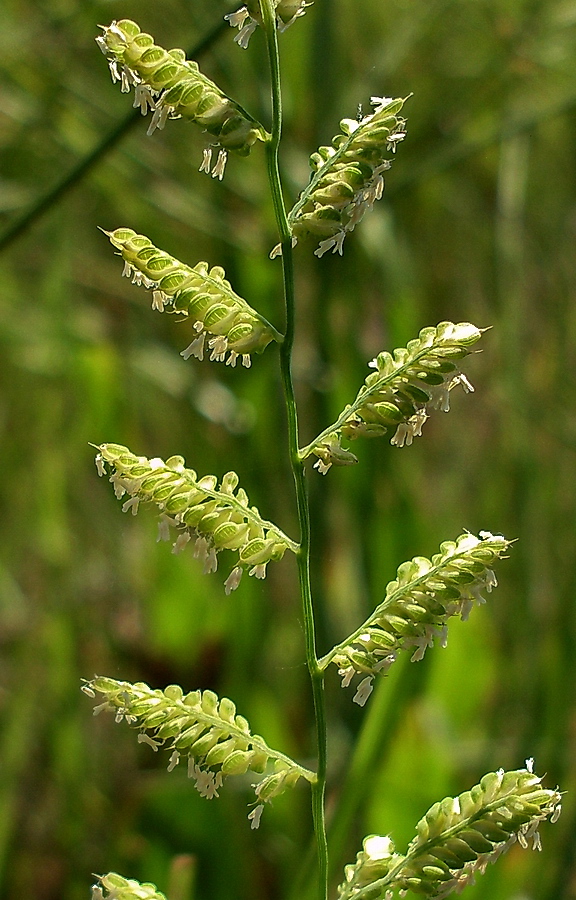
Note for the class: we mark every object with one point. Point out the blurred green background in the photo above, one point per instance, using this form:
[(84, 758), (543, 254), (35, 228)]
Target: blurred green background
[(478, 223)]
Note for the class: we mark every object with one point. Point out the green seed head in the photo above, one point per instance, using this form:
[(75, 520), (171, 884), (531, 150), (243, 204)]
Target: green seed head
[(170, 86), (347, 177), (224, 324), (218, 517)]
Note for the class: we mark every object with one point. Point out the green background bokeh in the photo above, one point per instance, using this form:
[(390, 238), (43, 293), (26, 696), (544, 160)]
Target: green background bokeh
[(478, 223)]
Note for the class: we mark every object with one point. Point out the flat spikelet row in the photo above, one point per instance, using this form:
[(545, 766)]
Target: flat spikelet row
[(348, 175), (219, 516), (406, 386), (418, 604), (226, 325), (204, 730), (172, 86), (455, 840)]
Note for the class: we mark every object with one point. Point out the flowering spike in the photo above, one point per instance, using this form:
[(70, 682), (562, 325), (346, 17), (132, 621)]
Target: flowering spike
[(202, 729), (455, 840), (224, 324), (247, 18), (172, 86), (348, 175), (417, 606), (115, 887), (406, 386), (219, 517)]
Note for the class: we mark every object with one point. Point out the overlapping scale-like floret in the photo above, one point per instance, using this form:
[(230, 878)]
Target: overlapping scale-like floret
[(171, 86), (418, 604), (348, 175), (226, 326), (203, 730), (115, 887), (406, 386), (218, 516), (456, 839)]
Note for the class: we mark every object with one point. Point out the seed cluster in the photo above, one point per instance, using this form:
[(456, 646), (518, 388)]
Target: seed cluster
[(456, 839), (172, 86), (348, 175), (114, 887), (201, 728), (406, 386), (218, 515), (418, 604), (225, 325)]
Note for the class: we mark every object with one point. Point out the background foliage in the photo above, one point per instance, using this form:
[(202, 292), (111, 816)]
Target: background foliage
[(478, 223)]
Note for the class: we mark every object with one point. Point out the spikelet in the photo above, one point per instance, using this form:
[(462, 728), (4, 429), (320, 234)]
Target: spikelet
[(205, 731), (247, 18), (172, 86), (406, 386), (225, 325), (417, 607), (115, 887), (348, 176), (456, 839), (219, 516)]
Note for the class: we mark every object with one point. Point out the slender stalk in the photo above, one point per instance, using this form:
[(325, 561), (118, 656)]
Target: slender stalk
[(303, 555)]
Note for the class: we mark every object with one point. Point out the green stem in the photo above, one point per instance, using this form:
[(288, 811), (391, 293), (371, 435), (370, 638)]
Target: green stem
[(303, 555)]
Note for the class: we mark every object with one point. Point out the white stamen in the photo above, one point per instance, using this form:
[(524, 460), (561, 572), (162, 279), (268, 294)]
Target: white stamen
[(181, 542), (255, 816), (347, 675), (218, 170), (233, 580), (322, 466), (174, 760), (196, 348), (143, 98), (131, 503), (159, 300), (210, 562), (363, 691), (145, 739), (206, 160), (243, 36), (235, 19)]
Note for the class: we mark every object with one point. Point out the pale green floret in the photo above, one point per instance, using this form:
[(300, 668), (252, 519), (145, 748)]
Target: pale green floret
[(220, 518), (347, 176), (171, 86), (225, 326), (456, 839), (114, 887), (201, 730), (405, 388), (418, 604)]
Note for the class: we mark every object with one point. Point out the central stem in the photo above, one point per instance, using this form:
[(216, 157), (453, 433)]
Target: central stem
[(297, 465)]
